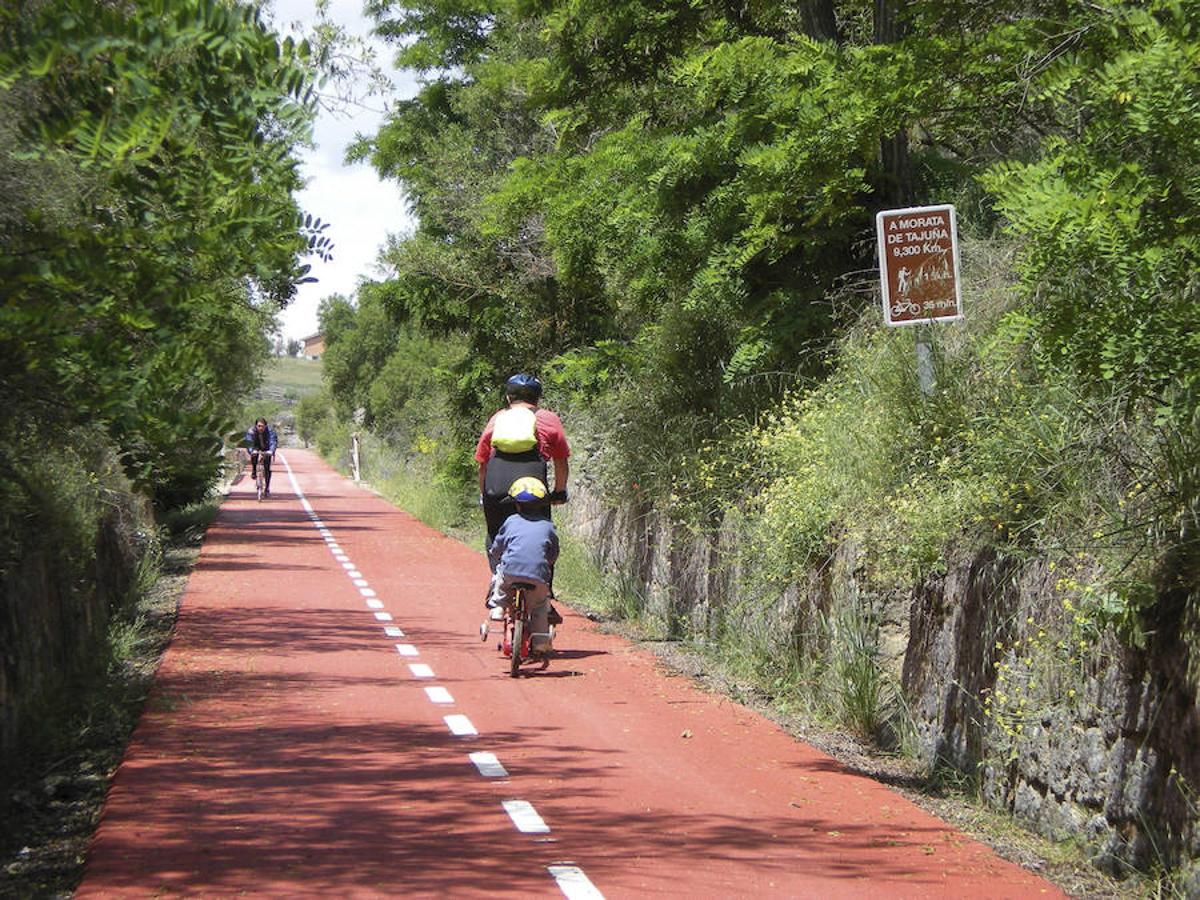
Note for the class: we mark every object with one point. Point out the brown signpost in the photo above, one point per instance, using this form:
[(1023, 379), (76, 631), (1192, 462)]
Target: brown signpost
[(918, 265)]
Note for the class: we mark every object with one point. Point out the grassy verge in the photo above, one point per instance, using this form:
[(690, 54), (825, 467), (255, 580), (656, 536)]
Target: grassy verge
[(56, 791)]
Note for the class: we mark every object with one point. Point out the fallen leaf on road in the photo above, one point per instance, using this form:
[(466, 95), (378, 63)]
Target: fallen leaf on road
[(687, 733)]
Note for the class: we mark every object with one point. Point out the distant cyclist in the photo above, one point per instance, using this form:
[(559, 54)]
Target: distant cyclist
[(261, 441), (517, 442)]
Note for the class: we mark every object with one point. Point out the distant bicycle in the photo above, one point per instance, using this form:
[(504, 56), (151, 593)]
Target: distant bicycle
[(262, 460)]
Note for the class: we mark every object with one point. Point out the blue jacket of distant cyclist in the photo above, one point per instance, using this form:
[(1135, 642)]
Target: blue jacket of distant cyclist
[(257, 440)]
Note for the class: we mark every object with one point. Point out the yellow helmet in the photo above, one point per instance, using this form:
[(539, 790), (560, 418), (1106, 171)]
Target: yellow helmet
[(528, 490)]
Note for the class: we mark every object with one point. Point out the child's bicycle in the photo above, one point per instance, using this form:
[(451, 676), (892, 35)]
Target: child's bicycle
[(517, 637), (260, 479)]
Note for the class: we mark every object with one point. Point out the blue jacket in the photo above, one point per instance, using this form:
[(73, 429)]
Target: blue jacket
[(525, 548), (272, 440)]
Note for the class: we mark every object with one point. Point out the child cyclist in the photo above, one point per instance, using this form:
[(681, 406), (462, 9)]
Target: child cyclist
[(524, 551)]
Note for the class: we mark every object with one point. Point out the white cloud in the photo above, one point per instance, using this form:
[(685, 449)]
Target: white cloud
[(360, 208)]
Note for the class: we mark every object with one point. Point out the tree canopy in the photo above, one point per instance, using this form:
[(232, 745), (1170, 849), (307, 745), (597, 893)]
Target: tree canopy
[(150, 232)]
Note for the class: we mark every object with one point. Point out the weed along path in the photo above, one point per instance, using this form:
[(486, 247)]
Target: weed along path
[(326, 722)]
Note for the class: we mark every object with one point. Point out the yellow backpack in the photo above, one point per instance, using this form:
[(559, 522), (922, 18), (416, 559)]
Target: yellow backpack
[(515, 430)]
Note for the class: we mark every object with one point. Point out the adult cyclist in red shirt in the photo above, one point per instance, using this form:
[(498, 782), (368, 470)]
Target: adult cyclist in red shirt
[(518, 441)]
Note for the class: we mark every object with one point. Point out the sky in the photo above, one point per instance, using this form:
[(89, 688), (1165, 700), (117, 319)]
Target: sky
[(361, 209)]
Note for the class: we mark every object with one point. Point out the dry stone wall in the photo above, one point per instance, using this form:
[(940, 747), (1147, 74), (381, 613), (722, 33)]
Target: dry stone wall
[(53, 616)]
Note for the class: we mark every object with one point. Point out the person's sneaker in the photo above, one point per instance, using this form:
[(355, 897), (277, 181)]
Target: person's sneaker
[(497, 614)]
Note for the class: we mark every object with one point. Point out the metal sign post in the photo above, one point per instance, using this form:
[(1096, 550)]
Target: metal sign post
[(925, 377), (918, 274)]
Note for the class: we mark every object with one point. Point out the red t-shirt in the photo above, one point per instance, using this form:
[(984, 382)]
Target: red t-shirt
[(551, 439)]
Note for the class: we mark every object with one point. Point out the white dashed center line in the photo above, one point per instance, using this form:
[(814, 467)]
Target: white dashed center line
[(570, 879), (460, 725), (488, 765), (438, 695), (573, 883), (525, 817)]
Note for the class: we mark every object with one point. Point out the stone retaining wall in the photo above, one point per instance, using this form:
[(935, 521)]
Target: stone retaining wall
[(1109, 744)]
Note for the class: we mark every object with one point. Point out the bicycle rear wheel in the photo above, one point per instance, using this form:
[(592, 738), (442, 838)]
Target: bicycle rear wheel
[(518, 636)]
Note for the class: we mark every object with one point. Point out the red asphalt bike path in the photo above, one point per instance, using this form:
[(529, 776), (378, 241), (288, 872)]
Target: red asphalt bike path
[(288, 749)]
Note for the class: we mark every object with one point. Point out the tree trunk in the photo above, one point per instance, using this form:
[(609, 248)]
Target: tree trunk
[(897, 187), (818, 21)]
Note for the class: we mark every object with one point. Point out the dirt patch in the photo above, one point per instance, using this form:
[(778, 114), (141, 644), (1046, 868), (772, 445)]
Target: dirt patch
[(1063, 864), (54, 803)]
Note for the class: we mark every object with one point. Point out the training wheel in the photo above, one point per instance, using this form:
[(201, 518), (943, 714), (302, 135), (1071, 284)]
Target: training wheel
[(483, 631)]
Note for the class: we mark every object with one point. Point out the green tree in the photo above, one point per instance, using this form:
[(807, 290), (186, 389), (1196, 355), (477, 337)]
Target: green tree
[(151, 233)]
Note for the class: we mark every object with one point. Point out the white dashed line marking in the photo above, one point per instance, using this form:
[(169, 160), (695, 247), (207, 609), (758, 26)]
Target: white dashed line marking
[(383, 617), (573, 883), (393, 631), (438, 695), (347, 564), (525, 817), (488, 765), (460, 725), (375, 604), (366, 592), (354, 573), (341, 557), (420, 670), (360, 582), (406, 650)]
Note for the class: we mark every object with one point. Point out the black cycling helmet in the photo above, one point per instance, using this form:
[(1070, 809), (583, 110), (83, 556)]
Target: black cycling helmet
[(523, 387)]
